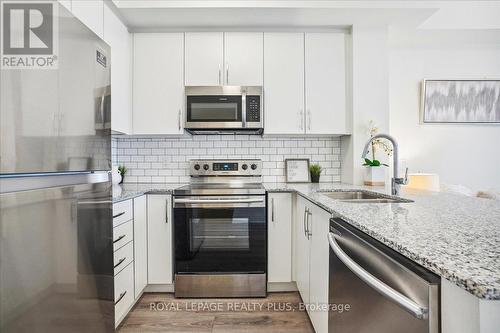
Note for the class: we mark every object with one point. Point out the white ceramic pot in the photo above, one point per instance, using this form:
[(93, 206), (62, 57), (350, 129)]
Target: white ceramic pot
[(374, 176), (116, 178)]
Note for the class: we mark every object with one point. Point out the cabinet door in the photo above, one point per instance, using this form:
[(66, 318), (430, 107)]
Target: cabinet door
[(204, 58), (159, 239), (301, 249), (325, 83), (90, 12), (279, 227), (243, 58), (118, 37), (319, 226), (140, 245), (158, 85), (284, 83)]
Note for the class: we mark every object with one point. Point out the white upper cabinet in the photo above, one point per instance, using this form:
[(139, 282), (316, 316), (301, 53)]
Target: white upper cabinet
[(325, 91), (284, 83), (158, 83), (204, 58), (243, 58), (90, 12), (118, 37)]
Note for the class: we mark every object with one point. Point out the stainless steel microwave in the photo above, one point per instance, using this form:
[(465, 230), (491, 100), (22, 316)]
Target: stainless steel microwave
[(224, 109)]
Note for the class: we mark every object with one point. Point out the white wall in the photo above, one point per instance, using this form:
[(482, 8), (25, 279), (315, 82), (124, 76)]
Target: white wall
[(460, 154), (370, 95)]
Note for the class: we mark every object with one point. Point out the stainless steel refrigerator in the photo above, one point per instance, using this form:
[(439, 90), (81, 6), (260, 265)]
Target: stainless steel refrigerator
[(56, 262)]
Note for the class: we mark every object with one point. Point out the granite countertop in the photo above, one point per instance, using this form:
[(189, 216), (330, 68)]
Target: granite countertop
[(454, 236), (132, 190)]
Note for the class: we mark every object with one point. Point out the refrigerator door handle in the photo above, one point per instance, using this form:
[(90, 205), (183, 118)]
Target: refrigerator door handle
[(26, 182), (409, 305)]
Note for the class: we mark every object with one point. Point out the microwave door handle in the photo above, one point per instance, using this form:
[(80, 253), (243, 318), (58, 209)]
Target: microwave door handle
[(412, 307), (244, 109)]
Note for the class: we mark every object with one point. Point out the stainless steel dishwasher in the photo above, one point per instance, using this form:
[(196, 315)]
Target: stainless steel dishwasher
[(374, 289)]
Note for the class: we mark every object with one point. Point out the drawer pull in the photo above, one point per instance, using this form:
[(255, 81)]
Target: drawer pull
[(120, 261), (121, 297), (118, 215), (119, 239)]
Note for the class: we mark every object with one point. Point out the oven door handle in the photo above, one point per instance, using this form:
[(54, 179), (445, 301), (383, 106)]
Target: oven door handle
[(417, 310), (218, 201)]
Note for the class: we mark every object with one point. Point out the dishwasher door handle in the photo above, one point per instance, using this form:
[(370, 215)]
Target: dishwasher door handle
[(414, 308)]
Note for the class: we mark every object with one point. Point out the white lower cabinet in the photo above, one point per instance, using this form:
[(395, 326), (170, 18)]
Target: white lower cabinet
[(319, 225), (301, 249), (140, 245), (159, 239), (279, 241), (123, 258), (124, 292), (311, 259)]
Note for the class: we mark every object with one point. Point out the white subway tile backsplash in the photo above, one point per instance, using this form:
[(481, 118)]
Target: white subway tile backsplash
[(164, 159)]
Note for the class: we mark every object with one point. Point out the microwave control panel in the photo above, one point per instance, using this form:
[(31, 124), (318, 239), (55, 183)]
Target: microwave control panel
[(253, 108)]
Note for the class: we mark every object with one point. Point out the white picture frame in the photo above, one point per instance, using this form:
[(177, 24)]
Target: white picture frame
[(297, 170), (459, 101)]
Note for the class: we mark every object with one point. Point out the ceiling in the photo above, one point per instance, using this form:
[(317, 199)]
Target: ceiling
[(159, 15)]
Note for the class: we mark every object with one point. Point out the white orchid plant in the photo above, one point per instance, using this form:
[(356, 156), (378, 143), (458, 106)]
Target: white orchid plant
[(377, 143)]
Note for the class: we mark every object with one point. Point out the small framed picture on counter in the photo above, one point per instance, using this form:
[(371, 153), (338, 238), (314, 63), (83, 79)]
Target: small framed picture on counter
[(297, 170)]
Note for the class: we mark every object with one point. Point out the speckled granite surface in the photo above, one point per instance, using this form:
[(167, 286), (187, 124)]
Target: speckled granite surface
[(454, 236), (129, 191)]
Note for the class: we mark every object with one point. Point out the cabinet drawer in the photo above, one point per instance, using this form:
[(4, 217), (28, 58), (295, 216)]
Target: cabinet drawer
[(122, 234), (123, 256), (124, 292), (122, 212)]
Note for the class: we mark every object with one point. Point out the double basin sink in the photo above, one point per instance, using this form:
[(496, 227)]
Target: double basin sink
[(363, 197)]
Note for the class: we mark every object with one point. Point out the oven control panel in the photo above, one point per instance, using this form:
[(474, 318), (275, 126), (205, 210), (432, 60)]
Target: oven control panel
[(225, 168), (216, 166)]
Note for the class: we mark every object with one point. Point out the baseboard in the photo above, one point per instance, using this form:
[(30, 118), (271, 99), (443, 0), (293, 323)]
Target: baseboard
[(159, 288), (281, 286)]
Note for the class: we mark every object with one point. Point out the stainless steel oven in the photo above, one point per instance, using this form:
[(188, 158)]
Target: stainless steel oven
[(216, 109), (220, 236)]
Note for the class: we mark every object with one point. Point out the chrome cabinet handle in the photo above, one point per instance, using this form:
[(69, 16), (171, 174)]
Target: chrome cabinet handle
[(119, 239), (118, 215), (227, 74), (309, 122), (219, 75), (301, 115), (415, 309), (121, 297), (304, 221), (272, 209), (179, 119), (309, 234), (120, 262)]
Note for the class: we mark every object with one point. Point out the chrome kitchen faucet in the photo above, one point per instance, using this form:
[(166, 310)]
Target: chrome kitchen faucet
[(396, 182)]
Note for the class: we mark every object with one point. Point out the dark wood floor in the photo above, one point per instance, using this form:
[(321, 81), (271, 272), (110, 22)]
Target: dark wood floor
[(161, 312)]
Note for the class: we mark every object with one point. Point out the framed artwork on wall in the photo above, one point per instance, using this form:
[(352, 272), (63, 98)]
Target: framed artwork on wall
[(460, 101), (297, 170)]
